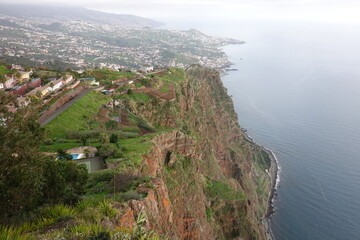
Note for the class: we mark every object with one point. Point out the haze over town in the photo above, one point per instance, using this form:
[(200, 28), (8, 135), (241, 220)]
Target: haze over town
[(344, 11)]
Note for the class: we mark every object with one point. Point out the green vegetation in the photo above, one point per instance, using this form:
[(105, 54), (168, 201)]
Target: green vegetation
[(165, 88), (135, 96), (77, 116), (29, 179), (132, 151), (138, 85), (56, 146), (262, 158), (104, 73), (174, 75), (4, 69), (216, 189)]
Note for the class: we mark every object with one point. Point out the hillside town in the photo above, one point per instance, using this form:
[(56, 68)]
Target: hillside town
[(35, 84), (82, 44)]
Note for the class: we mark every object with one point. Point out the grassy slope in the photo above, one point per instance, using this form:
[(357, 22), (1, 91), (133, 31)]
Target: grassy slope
[(135, 96), (176, 75), (107, 74), (77, 116), (4, 70)]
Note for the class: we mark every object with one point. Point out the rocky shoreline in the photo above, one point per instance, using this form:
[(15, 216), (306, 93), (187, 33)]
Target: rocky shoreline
[(273, 172)]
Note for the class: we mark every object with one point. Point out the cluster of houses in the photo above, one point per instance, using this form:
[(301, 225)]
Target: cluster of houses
[(24, 87), (53, 85)]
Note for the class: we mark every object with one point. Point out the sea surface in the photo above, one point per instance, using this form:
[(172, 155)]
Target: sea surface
[(297, 92)]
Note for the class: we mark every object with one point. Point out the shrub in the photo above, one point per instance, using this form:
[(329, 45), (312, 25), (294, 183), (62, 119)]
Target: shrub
[(106, 150), (123, 181), (145, 126), (106, 209), (111, 124), (48, 142), (132, 195), (58, 211), (11, 233), (146, 82), (100, 236), (82, 206), (113, 138)]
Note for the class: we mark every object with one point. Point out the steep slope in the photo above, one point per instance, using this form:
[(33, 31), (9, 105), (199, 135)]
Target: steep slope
[(209, 182)]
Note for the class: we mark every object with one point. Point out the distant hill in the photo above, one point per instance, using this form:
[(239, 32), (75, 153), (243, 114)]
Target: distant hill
[(67, 13)]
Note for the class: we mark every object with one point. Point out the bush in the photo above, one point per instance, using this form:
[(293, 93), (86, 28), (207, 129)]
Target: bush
[(48, 142), (111, 124), (64, 181), (106, 150), (106, 209), (145, 126), (123, 181), (100, 181), (113, 138), (59, 211), (146, 82), (132, 195), (100, 236), (118, 154), (101, 176), (80, 134)]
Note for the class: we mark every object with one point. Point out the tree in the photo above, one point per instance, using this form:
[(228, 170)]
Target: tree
[(38, 94), (29, 178), (84, 139), (106, 150), (86, 152), (64, 181), (111, 124), (2, 78), (113, 138), (63, 155), (21, 178), (14, 71), (104, 138)]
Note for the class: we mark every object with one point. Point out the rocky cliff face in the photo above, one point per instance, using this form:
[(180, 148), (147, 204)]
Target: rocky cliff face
[(208, 181)]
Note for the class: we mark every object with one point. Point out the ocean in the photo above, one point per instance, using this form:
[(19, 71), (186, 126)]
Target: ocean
[(297, 92)]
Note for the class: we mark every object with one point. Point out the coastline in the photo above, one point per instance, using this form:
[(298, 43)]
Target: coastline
[(274, 174), (273, 171)]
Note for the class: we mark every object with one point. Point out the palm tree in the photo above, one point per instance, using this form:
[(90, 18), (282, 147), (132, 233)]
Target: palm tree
[(86, 152)]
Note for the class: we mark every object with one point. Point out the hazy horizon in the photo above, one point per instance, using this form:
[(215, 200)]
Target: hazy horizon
[(335, 11)]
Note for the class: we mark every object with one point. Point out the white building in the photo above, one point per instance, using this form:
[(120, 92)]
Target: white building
[(9, 83), (67, 79), (54, 85), (146, 69)]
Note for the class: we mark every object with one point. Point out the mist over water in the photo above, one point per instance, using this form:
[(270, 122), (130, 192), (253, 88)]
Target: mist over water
[(297, 93)]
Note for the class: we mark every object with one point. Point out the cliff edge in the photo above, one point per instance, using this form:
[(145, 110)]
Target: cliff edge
[(208, 180)]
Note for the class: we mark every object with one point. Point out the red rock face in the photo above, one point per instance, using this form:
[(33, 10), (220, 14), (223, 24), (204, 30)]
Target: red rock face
[(178, 204)]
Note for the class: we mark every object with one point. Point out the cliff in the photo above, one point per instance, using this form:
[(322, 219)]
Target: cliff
[(178, 166), (208, 180)]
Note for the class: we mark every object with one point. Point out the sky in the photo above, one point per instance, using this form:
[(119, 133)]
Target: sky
[(340, 11)]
